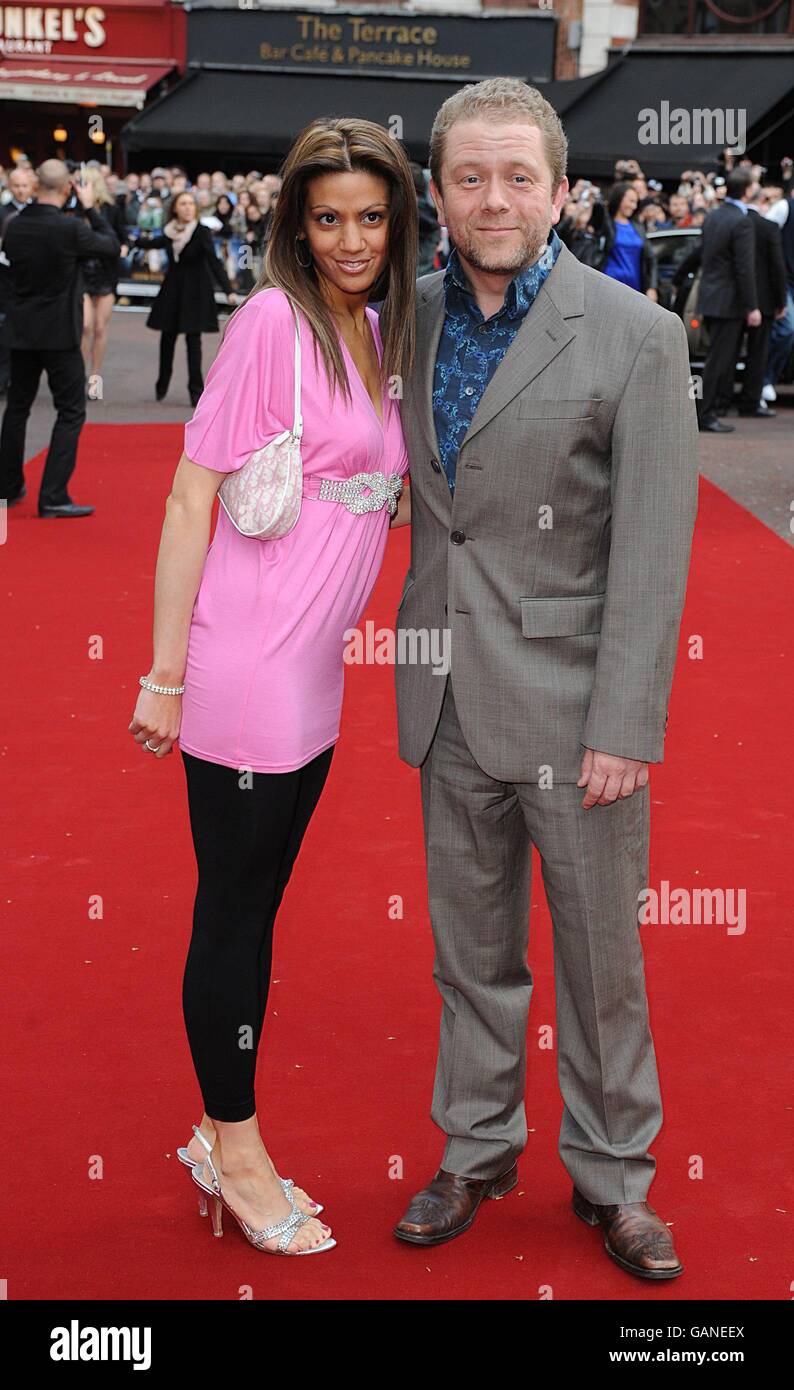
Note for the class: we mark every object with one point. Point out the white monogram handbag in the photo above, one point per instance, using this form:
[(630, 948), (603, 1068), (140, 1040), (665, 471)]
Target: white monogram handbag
[(263, 498)]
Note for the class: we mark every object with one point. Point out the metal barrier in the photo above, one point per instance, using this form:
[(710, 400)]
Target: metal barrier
[(140, 293)]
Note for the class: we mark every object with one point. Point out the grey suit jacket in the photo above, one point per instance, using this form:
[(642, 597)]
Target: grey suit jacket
[(560, 565)]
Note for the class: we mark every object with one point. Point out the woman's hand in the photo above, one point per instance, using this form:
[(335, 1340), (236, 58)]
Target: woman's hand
[(652, 294), (156, 719), (180, 562)]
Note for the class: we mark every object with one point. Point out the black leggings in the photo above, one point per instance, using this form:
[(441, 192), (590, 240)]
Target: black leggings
[(247, 829), (195, 380)]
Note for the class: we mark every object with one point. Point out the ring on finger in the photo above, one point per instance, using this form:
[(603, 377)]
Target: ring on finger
[(149, 746)]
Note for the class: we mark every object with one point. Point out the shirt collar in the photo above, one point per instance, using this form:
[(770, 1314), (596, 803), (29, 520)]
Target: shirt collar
[(521, 290), (737, 204)]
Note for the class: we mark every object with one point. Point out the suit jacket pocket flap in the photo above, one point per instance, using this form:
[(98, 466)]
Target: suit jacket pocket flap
[(533, 408), (561, 617)]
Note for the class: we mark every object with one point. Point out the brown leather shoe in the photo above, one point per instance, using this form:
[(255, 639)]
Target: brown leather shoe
[(635, 1237), (447, 1207)]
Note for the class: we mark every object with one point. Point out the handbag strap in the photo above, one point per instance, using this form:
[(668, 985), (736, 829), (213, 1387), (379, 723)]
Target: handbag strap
[(297, 421)]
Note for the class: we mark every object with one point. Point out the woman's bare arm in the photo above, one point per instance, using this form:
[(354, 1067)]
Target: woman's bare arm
[(180, 561)]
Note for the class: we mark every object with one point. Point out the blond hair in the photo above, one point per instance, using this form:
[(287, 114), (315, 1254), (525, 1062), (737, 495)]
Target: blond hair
[(96, 178), (505, 99)]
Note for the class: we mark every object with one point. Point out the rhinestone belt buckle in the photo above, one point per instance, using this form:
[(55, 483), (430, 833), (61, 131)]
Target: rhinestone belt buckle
[(383, 492)]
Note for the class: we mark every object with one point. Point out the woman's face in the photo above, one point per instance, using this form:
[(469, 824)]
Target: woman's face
[(346, 221), (628, 203), (184, 208), (244, 198), (223, 205)]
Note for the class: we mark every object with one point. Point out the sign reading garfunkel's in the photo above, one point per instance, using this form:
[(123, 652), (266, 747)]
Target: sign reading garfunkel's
[(119, 28), (391, 43)]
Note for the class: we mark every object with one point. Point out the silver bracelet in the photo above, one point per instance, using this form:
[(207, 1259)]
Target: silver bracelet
[(161, 689)]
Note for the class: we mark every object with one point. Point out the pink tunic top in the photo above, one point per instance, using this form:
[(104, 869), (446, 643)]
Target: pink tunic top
[(265, 670)]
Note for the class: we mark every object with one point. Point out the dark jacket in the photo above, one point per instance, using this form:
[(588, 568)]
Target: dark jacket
[(46, 249), (770, 268), (727, 284), (186, 302), (101, 273), (787, 234), (8, 211)]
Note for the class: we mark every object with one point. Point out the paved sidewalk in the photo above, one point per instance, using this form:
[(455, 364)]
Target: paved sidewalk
[(754, 465)]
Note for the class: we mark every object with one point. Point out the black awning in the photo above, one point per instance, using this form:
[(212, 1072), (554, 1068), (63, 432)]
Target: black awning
[(603, 122), (256, 114)]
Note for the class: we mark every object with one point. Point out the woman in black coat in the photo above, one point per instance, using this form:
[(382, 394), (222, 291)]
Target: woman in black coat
[(186, 301)]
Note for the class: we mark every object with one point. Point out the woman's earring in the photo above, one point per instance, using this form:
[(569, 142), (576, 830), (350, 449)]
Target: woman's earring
[(304, 264)]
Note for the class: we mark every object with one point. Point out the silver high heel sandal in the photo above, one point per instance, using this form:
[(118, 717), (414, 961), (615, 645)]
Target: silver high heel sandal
[(285, 1229), (287, 1183)]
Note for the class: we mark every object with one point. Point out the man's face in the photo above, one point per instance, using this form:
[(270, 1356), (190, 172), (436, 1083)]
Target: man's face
[(21, 184), (497, 202)]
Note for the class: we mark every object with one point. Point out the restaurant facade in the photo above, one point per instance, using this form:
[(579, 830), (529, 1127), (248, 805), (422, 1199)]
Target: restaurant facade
[(70, 75)]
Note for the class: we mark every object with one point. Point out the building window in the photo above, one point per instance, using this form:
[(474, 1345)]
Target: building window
[(716, 16)]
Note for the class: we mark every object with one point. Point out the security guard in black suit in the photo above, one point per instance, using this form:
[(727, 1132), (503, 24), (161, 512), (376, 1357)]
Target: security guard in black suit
[(728, 292), (770, 277), (43, 328)]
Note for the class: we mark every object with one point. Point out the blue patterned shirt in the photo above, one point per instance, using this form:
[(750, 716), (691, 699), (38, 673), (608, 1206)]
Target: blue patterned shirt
[(471, 347)]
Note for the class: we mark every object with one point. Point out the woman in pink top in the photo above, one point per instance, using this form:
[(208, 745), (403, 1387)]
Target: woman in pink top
[(249, 635)]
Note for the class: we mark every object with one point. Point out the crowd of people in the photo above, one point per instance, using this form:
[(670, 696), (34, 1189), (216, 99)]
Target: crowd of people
[(148, 213), (196, 237), (744, 256)]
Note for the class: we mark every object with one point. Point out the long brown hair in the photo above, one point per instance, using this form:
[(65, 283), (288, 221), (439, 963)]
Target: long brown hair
[(343, 145)]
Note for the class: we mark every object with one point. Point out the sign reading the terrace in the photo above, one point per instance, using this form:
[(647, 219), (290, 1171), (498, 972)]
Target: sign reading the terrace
[(424, 45)]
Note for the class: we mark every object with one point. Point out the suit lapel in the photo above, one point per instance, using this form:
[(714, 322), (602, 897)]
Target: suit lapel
[(430, 310)]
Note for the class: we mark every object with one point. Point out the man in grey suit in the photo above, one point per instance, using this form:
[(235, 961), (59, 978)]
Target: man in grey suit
[(552, 438)]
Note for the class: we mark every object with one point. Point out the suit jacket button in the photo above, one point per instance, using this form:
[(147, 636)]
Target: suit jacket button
[(445, 610), (434, 464), (457, 538)]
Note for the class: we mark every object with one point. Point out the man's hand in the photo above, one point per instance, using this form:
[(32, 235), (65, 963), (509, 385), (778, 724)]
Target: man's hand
[(85, 193), (754, 318), (608, 777)]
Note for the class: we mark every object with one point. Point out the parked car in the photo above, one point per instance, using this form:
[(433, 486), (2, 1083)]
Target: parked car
[(671, 247)]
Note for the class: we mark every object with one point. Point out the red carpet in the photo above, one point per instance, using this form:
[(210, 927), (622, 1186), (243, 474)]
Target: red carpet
[(99, 1083)]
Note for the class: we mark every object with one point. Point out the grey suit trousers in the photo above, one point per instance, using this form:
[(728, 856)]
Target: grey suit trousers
[(479, 834)]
